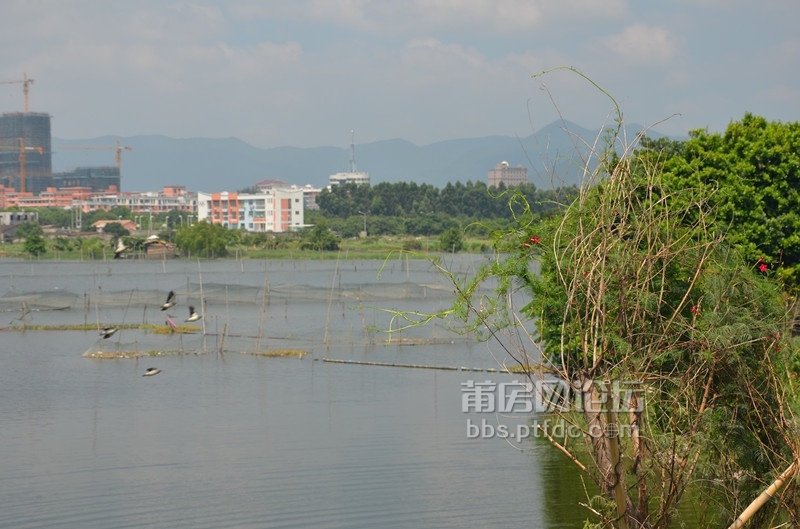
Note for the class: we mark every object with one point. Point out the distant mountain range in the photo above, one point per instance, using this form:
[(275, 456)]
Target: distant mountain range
[(552, 155)]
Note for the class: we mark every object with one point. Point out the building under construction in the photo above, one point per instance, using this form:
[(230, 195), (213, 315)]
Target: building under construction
[(26, 164), (100, 178), (26, 151)]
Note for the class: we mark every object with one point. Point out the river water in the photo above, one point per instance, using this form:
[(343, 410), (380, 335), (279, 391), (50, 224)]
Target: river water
[(224, 439)]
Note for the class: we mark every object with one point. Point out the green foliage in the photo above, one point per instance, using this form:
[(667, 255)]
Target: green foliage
[(58, 217), (405, 208), (27, 229), (235, 236), (93, 247), (35, 245), (451, 241), (175, 219), (203, 239), (754, 171), (119, 212), (635, 281), (135, 243), (64, 244), (255, 240), (320, 237), (116, 229)]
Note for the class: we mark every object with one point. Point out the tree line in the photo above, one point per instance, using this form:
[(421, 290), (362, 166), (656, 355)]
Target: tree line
[(408, 208)]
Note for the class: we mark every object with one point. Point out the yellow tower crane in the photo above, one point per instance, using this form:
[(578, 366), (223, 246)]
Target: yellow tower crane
[(118, 157), (25, 82), (22, 150)]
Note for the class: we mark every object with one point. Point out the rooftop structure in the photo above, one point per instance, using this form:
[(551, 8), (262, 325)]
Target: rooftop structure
[(352, 176)]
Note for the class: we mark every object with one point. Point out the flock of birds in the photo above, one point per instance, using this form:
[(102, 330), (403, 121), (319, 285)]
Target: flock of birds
[(108, 332)]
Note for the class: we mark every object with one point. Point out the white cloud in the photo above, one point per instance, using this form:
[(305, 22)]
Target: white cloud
[(403, 17), (503, 15), (298, 71), (640, 43), (511, 15)]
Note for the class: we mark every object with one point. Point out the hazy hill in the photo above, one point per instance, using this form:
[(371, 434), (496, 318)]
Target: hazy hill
[(552, 156)]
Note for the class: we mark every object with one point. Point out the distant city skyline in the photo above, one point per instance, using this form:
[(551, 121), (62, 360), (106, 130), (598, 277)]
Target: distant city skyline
[(306, 73)]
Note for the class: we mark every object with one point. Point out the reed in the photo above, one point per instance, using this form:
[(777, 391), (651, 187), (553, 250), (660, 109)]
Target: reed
[(278, 352)]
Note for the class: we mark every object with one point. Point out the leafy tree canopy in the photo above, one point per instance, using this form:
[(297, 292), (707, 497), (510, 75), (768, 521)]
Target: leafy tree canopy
[(35, 244), (116, 229), (451, 241), (28, 229), (752, 175), (320, 237), (203, 239)]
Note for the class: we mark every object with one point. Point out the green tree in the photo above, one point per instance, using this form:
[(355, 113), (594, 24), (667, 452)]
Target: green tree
[(451, 241), (116, 229), (63, 244), (119, 212), (320, 238), (35, 245), (754, 170), (27, 229), (203, 239), (174, 219), (58, 217), (93, 247)]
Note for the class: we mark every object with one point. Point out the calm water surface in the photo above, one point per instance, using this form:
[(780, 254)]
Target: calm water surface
[(223, 439)]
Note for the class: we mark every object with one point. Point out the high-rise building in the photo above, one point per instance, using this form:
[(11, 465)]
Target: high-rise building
[(510, 176), (26, 135)]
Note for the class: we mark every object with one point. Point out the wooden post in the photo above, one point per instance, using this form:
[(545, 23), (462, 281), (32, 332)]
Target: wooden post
[(612, 427), (764, 497)]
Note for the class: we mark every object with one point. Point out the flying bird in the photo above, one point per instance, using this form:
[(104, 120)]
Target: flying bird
[(151, 371), (193, 316), (107, 332), (170, 301), (120, 248)]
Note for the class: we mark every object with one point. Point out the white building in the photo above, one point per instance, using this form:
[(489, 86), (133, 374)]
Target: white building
[(171, 197), (350, 177), (272, 210), (510, 176)]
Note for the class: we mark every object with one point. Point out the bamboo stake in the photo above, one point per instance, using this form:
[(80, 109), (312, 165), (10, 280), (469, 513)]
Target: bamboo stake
[(614, 453), (330, 300), (764, 497), (222, 339)]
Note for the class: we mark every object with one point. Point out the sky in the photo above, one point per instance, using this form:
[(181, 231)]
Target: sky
[(309, 73)]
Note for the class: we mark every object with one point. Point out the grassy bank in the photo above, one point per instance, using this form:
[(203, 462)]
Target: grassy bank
[(369, 248)]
